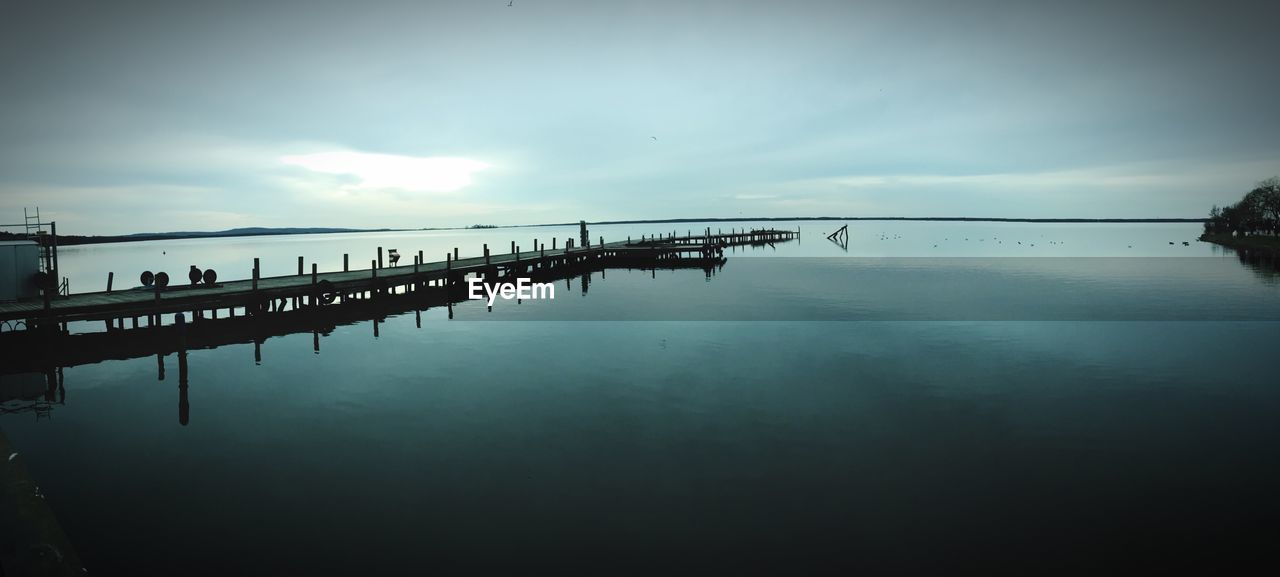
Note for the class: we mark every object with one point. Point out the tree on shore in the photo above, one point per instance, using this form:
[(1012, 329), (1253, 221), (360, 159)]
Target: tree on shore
[(1258, 212)]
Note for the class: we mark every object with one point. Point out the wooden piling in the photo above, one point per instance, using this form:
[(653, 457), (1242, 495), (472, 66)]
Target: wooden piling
[(299, 266), (346, 266), (378, 263), (110, 276)]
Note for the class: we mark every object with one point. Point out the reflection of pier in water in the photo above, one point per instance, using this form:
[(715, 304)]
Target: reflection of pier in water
[(44, 353)]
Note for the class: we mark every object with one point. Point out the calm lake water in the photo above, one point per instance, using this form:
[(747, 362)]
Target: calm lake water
[(1102, 401)]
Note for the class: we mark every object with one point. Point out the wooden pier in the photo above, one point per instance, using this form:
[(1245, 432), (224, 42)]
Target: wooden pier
[(259, 296)]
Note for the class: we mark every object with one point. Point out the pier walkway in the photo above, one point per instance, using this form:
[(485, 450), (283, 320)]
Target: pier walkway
[(256, 295)]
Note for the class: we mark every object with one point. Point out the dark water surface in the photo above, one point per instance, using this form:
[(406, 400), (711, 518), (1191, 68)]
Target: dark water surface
[(893, 445)]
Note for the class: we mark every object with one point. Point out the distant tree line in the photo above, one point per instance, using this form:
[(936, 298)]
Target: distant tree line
[(1257, 213)]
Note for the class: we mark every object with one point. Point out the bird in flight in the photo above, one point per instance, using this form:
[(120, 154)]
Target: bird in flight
[(510, 3), (653, 137)]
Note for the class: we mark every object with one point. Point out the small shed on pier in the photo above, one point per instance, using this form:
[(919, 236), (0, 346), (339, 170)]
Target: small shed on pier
[(19, 263)]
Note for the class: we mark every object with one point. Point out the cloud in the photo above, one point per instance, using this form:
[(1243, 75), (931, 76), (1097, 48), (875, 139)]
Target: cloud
[(433, 174)]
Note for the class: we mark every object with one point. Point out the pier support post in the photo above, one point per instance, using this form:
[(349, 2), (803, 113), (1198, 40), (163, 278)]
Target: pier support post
[(299, 266), (486, 254), (346, 263), (378, 263), (313, 273), (110, 277), (255, 273)]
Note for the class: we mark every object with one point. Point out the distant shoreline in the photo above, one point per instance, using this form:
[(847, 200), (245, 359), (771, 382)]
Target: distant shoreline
[(72, 240), (878, 218)]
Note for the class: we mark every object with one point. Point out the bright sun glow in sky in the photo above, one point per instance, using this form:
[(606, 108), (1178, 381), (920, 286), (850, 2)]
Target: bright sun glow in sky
[(389, 171)]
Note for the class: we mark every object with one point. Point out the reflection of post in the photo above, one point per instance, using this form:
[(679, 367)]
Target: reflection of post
[(586, 281), (51, 384), (257, 352), (184, 406), (375, 328), (417, 318), (315, 342), (160, 364), (62, 390)]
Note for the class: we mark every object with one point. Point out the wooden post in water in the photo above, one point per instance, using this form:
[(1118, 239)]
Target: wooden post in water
[(110, 276), (513, 247), (486, 253), (255, 273), (313, 273), (299, 266), (553, 243), (346, 263), (455, 253), (378, 263)]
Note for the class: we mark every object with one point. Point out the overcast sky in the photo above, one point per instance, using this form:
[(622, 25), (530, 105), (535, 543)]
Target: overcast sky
[(120, 117)]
